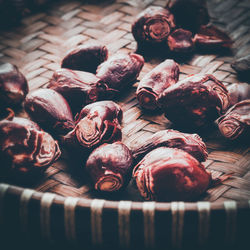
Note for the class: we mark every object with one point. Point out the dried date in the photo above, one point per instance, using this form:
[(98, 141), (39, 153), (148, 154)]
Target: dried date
[(195, 101), (181, 41), (13, 85), (153, 25), (190, 143), (110, 167), (155, 82), (189, 14), (85, 58), (78, 87), (25, 148), (120, 71), (170, 174), (50, 110), (235, 124), (97, 123), (210, 37)]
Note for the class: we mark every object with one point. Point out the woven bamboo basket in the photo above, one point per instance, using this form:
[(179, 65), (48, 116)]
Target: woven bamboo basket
[(60, 208)]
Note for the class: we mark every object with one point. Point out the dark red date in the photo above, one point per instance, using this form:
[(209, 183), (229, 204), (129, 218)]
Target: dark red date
[(196, 101), (97, 123), (235, 124), (210, 37), (154, 82), (50, 110), (190, 143), (85, 58), (110, 167), (25, 148), (189, 14), (78, 87), (181, 41), (13, 85), (120, 71), (153, 25), (170, 174)]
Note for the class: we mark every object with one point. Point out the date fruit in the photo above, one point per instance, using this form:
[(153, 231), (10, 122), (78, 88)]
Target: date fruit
[(195, 101), (189, 14), (13, 85), (190, 143), (238, 92), (120, 71), (97, 123), (25, 148), (110, 167), (181, 41), (78, 87), (153, 25), (236, 122), (85, 58), (155, 82), (170, 174), (210, 37), (50, 110)]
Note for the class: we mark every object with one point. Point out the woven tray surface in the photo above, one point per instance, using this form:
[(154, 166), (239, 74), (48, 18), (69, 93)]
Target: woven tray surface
[(40, 42)]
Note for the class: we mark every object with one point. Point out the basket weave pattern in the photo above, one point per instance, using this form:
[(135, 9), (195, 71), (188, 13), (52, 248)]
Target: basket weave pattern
[(37, 47)]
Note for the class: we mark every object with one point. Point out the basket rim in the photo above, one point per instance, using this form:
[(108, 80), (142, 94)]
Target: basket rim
[(10, 189)]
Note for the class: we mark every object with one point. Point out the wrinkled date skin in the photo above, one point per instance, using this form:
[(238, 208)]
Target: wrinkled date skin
[(25, 148), (170, 174), (85, 58), (120, 71), (235, 124), (196, 101), (210, 37), (190, 143), (181, 41), (238, 92), (13, 85), (154, 82), (153, 25), (189, 14), (78, 87), (110, 167), (97, 123), (50, 110)]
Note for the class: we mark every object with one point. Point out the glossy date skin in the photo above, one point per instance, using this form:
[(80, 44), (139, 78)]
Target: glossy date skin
[(97, 123), (170, 174), (238, 92), (78, 87), (190, 143), (85, 58), (25, 148), (153, 25), (155, 82), (196, 101), (50, 110), (120, 71), (235, 124), (110, 167), (181, 41), (13, 85), (210, 37)]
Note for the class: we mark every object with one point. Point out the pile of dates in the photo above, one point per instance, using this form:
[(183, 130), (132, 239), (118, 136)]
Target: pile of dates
[(179, 28), (77, 111)]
